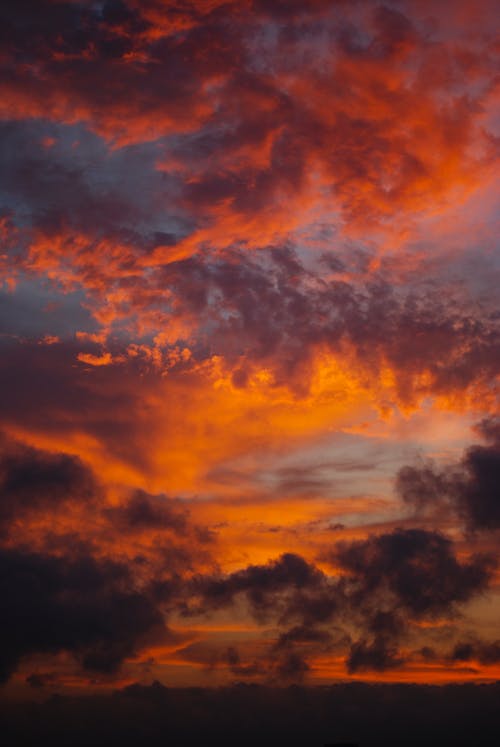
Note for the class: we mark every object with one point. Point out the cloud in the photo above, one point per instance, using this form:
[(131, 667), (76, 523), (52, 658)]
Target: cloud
[(143, 511), (383, 583), (270, 310), (241, 226), (33, 480), (412, 570), (476, 650), (47, 496), (287, 587), (292, 667), (378, 655), (469, 487), (81, 605), (228, 140), (416, 568), (180, 539), (67, 582)]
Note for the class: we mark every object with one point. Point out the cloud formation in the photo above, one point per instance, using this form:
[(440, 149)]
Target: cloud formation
[(249, 267), (383, 585), (32, 480), (469, 487), (83, 606)]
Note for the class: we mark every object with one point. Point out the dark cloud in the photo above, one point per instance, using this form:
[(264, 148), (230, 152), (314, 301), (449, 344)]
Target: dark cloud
[(288, 588), (378, 655), (242, 666), (292, 666), (69, 596), (32, 29), (470, 488), (42, 389), (480, 491), (87, 607), (38, 485), (386, 581), (36, 480), (243, 669), (416, 568), (384, 622), (262, 580), (145, 511), (422, 485), (489, 429), (476, 650), (82, 58)]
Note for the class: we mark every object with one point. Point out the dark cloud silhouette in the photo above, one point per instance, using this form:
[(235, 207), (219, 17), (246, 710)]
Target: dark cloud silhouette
[(287, 588), (81, 605), (489, 429), (292, 666), (35, 480), (41, 388), (481, 651), (68, 595), (240, 668), (386, 581), (416, 568), (37, 484), (69, 600), (377, 655), (145, 511), (480, 496), (470, 488)]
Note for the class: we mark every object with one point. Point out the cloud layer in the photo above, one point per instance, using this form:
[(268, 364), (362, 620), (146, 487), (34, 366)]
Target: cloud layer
[(249, 337)]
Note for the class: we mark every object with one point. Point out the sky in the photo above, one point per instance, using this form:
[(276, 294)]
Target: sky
[(250, 349)]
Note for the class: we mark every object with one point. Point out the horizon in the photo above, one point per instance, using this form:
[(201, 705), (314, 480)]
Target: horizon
[(299, 715)]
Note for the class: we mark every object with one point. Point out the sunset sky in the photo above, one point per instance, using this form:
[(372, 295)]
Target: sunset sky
[(250, 343)]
